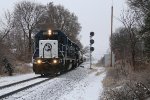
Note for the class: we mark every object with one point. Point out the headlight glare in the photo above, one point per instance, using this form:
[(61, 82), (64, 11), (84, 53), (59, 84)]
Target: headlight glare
[(39, 61), (49, 32), (55, 61)]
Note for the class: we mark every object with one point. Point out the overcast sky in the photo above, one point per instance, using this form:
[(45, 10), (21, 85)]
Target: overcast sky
[(94, 15)]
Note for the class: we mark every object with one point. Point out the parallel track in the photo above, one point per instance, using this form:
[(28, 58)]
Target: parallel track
[(21, 89), (12, 84)]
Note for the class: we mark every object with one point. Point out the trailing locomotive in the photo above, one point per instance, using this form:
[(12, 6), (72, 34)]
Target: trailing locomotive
[(54, 53)]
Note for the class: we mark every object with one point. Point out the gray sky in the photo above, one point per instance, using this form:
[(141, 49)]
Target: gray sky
[(94, 15)]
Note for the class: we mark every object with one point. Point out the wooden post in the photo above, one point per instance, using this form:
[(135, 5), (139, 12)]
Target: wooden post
[(111, 35)]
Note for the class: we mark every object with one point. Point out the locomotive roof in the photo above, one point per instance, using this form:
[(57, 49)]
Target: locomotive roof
[(60, 33)]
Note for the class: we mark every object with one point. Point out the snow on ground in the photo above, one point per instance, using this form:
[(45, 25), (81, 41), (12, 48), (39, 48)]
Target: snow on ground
[(18, 86), (78, 84), (89, 88)]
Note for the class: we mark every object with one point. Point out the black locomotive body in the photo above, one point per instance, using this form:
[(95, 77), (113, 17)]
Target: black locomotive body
[(54, 53)]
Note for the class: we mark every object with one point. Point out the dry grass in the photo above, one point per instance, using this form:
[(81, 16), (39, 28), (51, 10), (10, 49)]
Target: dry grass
[(109, 82), (18, 68), (112, 78), (22, 69), (121, 83)]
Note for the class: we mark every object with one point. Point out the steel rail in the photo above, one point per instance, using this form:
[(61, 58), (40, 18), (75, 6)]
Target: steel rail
[(21, 89), (8, 85)]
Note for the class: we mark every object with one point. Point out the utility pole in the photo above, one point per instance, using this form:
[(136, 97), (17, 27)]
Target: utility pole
[(111, 35)]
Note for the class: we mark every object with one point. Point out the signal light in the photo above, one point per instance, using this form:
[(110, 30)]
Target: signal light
[(91, 41), (91, 33), (91, 48)]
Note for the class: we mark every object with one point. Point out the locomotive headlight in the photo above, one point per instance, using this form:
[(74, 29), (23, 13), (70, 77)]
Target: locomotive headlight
[(49, 32), (55, 61), (39, 61)]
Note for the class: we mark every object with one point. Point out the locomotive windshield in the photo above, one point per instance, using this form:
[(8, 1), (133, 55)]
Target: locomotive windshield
[(45, 35)]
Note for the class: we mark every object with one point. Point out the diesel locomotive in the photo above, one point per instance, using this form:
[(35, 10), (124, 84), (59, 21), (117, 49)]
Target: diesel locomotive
[(54, 53)]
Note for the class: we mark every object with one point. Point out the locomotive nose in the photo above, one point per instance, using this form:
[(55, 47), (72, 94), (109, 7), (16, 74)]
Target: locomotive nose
[(48, 49)]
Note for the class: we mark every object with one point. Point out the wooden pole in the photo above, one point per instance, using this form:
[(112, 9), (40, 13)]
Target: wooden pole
[(111, 35)]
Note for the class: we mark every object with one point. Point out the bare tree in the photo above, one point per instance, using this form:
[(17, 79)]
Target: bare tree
[(142, 8), (26, 16), (29, 17), (128, 19), (139, 5), (6, 28), (6, 25), (120, 44), (57, 17)]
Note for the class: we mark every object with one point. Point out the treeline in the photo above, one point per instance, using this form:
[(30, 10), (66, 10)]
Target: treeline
[(131, 42), (19, 25), (129, 78)]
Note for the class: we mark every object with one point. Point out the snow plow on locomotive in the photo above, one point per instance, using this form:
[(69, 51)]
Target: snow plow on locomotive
[(54, 53)]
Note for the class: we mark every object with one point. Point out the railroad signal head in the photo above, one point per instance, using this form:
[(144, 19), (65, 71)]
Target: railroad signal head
[(91, 48), (91, 33), (91, 41)]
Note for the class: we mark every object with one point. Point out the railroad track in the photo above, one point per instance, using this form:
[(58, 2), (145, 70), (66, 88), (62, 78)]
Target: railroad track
[(15, 83), (21, 88)]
